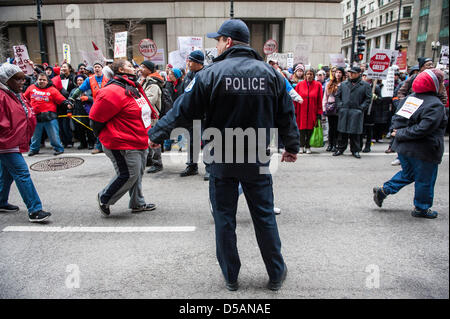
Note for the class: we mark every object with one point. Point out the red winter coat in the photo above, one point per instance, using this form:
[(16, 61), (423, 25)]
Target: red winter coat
[(122, 114), (306, 113), (16, 127), (43, 100)]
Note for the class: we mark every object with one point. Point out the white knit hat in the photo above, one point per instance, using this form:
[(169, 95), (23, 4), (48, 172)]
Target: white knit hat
[(7, 71)]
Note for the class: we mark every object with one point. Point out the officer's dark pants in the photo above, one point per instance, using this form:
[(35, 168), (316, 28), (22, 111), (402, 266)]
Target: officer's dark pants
[(190, 161), (355, 142), (258, 192)]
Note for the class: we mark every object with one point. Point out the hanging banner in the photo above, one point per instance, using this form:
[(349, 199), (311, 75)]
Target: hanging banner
[(22, 59), (337, 60), (120, 44), (379, 63), (402, 61), (66, 52)]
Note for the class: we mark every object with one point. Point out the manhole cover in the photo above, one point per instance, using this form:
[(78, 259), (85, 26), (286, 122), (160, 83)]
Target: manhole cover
[(57, 164)]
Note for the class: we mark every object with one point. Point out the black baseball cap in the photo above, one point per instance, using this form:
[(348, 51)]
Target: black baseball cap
[(355, 69), (235, 29)]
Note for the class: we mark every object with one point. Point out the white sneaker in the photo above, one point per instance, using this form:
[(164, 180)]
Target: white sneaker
[(308, 151), (277, 211), (302, 150), (395, 162)]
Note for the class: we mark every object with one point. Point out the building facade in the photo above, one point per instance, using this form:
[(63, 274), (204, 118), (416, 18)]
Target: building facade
[(379, 18), (421, 23), (314, 24)]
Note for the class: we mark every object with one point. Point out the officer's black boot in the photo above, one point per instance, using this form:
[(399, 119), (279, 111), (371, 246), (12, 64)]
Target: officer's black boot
[(189, 171)]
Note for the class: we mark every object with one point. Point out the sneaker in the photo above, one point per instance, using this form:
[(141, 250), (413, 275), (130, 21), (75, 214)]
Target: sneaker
[(96, 151), (232, 286), (38, 217), (277, 211), (57, 153), (302, 150), (395, 162), (31, 153), (276, 285), (145, 208), (308, 151), (104, 209), (206, 177), (378, 196), (8, 208), (424, 214)]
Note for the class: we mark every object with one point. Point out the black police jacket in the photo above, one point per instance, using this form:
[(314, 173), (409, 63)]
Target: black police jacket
[(237, 93)]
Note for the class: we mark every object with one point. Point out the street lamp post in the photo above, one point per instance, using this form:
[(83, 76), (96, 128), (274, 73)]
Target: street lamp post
[(355, 18), (435, 46), (41, 33), (231, 9)]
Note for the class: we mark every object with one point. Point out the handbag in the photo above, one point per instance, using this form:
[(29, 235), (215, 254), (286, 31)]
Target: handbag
[(317, 136)]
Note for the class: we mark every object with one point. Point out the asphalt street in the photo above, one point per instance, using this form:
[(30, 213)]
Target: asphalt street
[(336, 242)]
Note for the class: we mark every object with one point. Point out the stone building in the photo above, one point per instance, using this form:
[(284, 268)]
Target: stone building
[(314, 24)]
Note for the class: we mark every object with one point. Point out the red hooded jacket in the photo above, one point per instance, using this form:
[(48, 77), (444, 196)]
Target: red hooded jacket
[(16, 127), (43, 100)]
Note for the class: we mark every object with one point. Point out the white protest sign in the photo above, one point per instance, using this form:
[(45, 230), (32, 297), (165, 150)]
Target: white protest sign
[(66, 52), (188, 44), (337, 60), (389, 84), (89, 58), (22, 59), (177, 60), (410, 107), (159, 58), (301, 53), (379, 63), (444, 55), (290, 60), (210, 54), (120, 44), (285, 60)]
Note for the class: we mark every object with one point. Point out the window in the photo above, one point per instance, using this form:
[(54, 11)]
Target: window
[(424, 4), (377, 42), (347, 19), (380, 3), (443, 34), (404, 35), (407, 12), (387, 44), (363, 11), (387, 18), (381, 20), (349, 4), (391, 16), (371, 6)]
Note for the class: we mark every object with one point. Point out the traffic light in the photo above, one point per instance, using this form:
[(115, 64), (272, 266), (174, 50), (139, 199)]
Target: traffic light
[(360, 45)]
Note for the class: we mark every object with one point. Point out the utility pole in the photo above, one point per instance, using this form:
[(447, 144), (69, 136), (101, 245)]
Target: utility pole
[(398, 26), (231, 9), (44, 58), (355, 18)]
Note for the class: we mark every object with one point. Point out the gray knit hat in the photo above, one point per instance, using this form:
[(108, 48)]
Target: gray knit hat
[(7, 71)]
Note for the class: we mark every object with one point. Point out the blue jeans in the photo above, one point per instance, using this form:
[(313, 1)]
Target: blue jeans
[(422, 174), (224, 194), (14, 168), (52, 129)]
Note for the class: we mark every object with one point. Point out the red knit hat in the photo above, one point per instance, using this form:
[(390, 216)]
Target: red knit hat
[(428, 81)]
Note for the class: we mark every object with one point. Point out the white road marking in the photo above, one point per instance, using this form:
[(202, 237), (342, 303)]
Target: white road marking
[(49, 229)]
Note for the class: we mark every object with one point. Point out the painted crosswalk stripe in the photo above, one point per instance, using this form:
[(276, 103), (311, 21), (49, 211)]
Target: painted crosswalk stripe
[(49, 229)]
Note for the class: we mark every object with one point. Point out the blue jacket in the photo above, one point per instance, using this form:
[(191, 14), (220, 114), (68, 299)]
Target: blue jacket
[(238, 90), (422, 136)]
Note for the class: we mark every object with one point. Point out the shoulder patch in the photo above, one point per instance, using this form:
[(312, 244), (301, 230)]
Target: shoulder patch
[(190, 86)]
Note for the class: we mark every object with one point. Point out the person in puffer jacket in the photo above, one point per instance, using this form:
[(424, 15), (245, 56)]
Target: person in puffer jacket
[(419, 128), (17, 124)]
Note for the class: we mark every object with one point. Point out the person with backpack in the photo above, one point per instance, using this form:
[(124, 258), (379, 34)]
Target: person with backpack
[(152, 84)]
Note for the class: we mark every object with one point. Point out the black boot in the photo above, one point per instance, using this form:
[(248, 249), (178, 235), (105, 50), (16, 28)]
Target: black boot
[(329, 148), (189, 171)]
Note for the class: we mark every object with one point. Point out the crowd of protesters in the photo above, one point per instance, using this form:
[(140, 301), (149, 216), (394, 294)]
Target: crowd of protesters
[(61, 98)]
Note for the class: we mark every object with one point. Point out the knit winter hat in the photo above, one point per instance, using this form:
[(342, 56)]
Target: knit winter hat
[(197, 56), (177, 73), (149, 65), (422, 61), (428, 81), (7, 71), (299, 67)]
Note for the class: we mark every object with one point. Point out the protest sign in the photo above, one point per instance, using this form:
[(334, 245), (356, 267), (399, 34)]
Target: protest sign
[(22, 59), (301, 54), (379, 63), (158, 58), (148, 48), (66, 52), (444, 55), (337, 60), (120, 44), (89, 58), (389, 84)]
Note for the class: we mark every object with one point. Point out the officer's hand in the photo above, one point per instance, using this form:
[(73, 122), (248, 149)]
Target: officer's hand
[(154, 145), (288, 157), (394, 132)]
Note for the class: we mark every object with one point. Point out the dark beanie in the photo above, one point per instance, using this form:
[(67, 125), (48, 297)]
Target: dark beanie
[(197, 56), (149, 65), (422, 61)]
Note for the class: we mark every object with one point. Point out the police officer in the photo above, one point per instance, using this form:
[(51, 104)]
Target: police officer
[(237, 91)]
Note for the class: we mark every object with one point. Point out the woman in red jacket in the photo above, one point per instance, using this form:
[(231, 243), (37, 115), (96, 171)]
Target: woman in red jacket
[(121, 117), (44, 99), (17, 123), (310, 110)]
